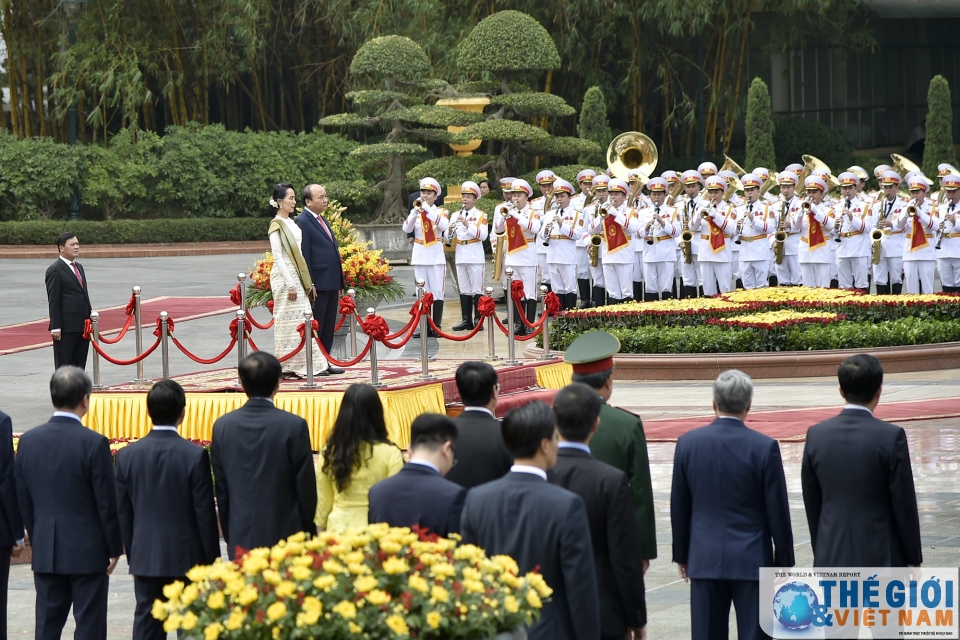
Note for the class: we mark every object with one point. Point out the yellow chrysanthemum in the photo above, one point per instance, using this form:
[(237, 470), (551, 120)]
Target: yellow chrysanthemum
[(172, 623), (392, 566), (365, 583), (325, 582), (216, 600), (434, 619), (300, 573), (378, 597), (354, 628), (506, 563), (272, 577), (537, 582), (474, 586), (443, 570), (248, 596), (189, 621), (533, 599), (189, 594), (511, 580), (398, 625), (511, 604), (173, 590), (439, 594), (236, 619), (345, 610), (197, 574), (312, 608), (276, 611), (252, 565), (213, 631), (472, 574), (390, 546), (357, 568), (418, 583), (332, 566), (286, 589), (159, 610)]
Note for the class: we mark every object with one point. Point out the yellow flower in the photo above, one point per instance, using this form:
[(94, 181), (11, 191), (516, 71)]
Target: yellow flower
[(537, 582), (533, 599), (510, 604), (301, 573), (234, 585), (190, 593), (312, 604), (354, 627), (159, 610), (189, 621), (439, 594), (506, 563), (354, 557), (237, 617), (286, 589), (472, 574), (474, 585), (272, 577), (365, 583), (418, 583), (197, 574), (511, 580), (253, 565), (173, 590), (378, 597), (345, 610), (248, 596), (392, 566), (469, 552), (433, 619), (357, 568), (213, 631), (443, 570), (276, 611), (173, 622), (312, 608), (216, 600), (324, 582), (332, 566), (398, 625), (390, 546)]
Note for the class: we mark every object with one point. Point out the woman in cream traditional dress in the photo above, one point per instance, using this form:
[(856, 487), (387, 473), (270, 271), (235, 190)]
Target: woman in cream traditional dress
[(289, 282), (357, 456)]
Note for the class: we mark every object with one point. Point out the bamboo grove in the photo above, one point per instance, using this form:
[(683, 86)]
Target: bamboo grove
[(282, 64)]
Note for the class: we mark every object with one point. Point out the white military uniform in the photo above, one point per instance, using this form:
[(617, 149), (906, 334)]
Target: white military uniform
[(470, 234), (889, 271), (919, 263), (948, 257), (660, 258), (816, 265), (523, 261), (583, 261), (590, 216), (618, 264), (689, 273), (758, 222), (566, 230), (543, 271), (853, 252), (427, 258), (788, 271), (715, 264)]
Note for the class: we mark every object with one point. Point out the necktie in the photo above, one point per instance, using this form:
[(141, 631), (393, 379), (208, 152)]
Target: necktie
[(889, 206), (750, 210), (657, 211), (77, 272), (324, 227)]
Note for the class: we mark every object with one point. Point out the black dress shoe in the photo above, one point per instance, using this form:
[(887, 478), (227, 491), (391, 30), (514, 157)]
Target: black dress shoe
[(322, 374), (334, 371)]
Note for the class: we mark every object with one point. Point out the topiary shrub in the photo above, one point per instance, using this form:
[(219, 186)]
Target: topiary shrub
[(594, 125), (759, 127), (938, 147)]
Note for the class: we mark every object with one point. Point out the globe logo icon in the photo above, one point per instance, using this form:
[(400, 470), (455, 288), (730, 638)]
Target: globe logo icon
[(794, 605)]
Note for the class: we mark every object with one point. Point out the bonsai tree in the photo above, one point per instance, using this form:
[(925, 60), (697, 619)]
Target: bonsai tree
[(759, 127), (395, 76), (939, 144), (594, 125)]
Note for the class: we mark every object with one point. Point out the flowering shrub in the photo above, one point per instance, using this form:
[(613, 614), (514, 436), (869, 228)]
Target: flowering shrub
[(376, 582)]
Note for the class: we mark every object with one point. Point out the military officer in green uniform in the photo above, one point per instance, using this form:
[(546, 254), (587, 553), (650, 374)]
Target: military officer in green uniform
[(619, 440)]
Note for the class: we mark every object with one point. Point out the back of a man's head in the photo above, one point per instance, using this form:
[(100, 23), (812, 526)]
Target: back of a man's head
[(524, 428), (260, 374), (165, 402), (577, 408), (475, 382), (594, 380), (430, 431), (733, 392), (68, 387), (860, 378)]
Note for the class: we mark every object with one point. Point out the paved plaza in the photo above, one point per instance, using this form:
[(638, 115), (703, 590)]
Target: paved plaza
[(24, 395)]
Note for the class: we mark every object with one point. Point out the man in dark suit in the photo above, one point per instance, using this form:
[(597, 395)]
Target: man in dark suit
[(729, 513), (69, 303), (165, 499), (68, 500), (857, 481), (322, 255), (481, 454), (538, 524), (262, 464), (613, 530), (11, 524), (419, 494)]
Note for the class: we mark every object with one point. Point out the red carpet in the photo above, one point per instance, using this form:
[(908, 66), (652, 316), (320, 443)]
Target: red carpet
[(792, 424), (34, 335)]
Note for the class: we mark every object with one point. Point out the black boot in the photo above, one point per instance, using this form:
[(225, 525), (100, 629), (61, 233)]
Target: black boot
[(599, 296), (664, 295), (834, 284), (897, 288), (437, 318), (531, 310), (739, 284), (691, 291), (772, 281), (673, 289), (520, 329), (700, 293), (638, 291), (650, 297), (883, 289), (475, 309), (466, 313), (571, 301), (584, 287)]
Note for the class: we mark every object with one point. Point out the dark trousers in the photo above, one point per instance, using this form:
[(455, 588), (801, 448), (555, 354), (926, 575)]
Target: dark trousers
[(71, 348), (325, 313), (5, 577), (710, 609), (88, 595), (147, 589)]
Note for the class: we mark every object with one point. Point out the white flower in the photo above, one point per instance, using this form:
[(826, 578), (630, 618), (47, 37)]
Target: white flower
[(274, 204)]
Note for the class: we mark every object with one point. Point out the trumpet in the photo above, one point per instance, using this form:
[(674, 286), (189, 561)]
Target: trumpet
[(593, 251), (505, 209), (912, 211), (605, 208)]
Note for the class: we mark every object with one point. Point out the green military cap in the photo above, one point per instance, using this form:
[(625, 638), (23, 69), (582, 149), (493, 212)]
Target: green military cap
[(592, 352)]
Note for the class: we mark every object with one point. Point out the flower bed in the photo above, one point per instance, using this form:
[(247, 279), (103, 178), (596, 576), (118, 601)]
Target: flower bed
[(377, 582), (769, 319)]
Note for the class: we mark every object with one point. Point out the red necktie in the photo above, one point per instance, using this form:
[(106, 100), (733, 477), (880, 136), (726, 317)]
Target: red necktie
[(324, 227), (77, 271)]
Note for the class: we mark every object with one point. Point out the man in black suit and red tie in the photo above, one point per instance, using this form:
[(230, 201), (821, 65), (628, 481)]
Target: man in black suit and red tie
[(481, 455), (322, 255), (69, 303)]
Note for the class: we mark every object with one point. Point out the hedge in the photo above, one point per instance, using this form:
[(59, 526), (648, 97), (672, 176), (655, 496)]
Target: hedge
[(135, 231)]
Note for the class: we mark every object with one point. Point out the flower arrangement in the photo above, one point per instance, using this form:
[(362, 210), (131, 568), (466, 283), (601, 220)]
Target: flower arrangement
[(775, 319), (364, 269), (376, 582)]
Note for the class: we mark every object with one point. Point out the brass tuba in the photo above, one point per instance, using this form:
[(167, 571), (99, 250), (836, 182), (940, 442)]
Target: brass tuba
[(729, 164), (632, 150)]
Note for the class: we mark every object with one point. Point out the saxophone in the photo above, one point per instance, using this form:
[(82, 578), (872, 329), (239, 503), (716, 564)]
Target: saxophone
[(500, 245), (593, 249), (780, 237), (876, 237), (686, 238)]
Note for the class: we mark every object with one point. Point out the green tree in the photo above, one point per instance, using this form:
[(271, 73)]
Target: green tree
[(594, 124), (939, 144), (759, 127)]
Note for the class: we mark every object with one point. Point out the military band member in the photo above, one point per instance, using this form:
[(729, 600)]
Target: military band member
[(560, 232), (715, 223), (590, 217), (521, 224), (755, 222), (735, 200), (635, 181), (862, 177), (505, 185), (617, 222), (855, 223), (467, 231), (659, 225), (585, 181), (545, 180), (889, 208), (919, 225), (948, 257), (688, 207), (428, 223), (944, 169), (815, 224), (763, 174), (707, 170), (788, 271)]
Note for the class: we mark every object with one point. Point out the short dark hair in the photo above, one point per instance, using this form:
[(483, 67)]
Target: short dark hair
[(577, 407), (165, 402), (524, 428), (431, 430), (279, 193), (259, 374), (475, 382), (307, 193), (594, 380), (860, 377), (64, 238), (69, 386), (481, 181)]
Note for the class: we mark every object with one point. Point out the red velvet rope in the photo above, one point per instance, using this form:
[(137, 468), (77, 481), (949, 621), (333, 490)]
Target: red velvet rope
[(123, 332), (253, 321), (506, 331), (551, 303), (87, 332), (454, 337), (487, 307), (236, 296), (348, 363), (131, 307), (186, 352)]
